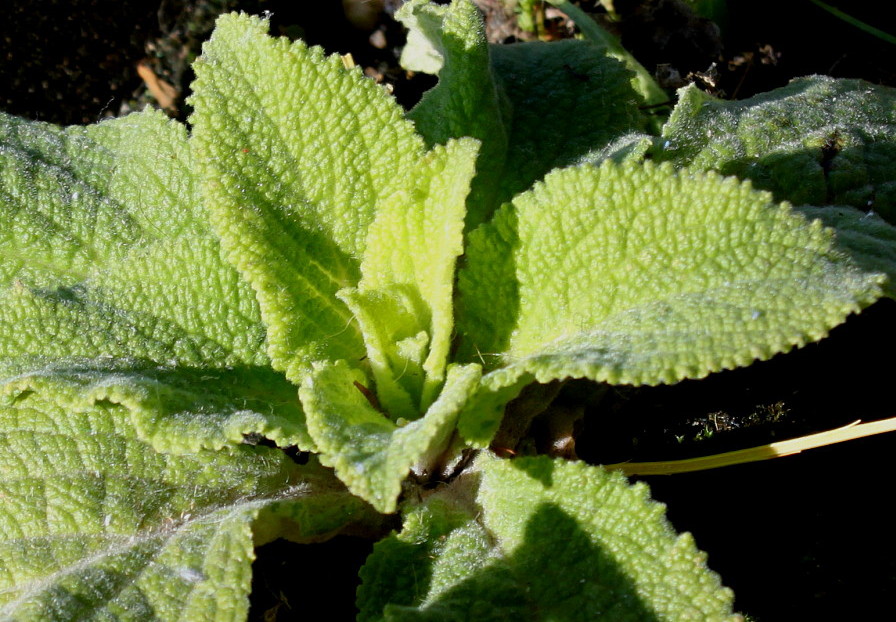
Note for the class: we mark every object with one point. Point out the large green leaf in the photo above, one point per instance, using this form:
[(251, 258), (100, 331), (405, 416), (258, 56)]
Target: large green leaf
[(534, 106), (103, 250), (641, 275), (371, 453), (56, 223), (96, 524), (538, 539), (815, 141), (296, 154)]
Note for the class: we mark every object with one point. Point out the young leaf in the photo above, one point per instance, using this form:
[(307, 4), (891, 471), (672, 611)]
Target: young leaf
[(393, 322), (412, 247), (95, 523), (105, 253), (370, 453), (541, 540), (815, 141), (296, 154), (641, 275)]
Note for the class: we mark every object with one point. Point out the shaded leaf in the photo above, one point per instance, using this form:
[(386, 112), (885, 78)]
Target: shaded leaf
[(578, 97), (866, 237), (642, 81), (815, 141), (492, 551)]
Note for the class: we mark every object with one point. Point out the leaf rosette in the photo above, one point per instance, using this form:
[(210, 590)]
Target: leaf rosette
[(312, 267)]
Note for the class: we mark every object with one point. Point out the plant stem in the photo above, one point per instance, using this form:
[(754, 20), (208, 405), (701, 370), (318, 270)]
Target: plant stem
[(790, 447), (880, 34)]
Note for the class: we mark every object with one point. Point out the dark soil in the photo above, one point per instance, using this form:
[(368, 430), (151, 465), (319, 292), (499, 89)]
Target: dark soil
[(806, 537), (801, 537)]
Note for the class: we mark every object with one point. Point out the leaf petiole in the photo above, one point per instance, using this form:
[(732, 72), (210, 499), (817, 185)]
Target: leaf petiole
[(790, 447)]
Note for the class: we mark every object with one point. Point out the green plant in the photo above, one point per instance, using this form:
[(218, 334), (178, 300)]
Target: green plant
[(287, 272), (530, 15)]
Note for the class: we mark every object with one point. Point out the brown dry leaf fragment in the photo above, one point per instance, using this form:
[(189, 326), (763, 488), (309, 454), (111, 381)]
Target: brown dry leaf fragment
[(163, 92)]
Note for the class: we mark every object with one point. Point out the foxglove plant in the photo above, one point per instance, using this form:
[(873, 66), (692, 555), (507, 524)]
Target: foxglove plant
[(310, 266)]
